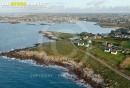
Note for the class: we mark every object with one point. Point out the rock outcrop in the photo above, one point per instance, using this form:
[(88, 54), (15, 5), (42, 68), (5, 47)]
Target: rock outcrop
[(49, 35)]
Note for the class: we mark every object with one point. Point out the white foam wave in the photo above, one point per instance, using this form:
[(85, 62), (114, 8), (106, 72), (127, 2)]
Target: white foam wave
[(68, 76), (82, 83), (29, 61), (57, 67), (73, 77), (32, 62), (65, 74), (12, 58), (4, 57)]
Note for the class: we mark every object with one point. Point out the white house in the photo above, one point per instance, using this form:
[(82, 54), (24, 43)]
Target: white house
[(87, 45), (80, 44), (85, 38), (97, 37), (89, 41), (114, 52), (107, 50), (75, 38)]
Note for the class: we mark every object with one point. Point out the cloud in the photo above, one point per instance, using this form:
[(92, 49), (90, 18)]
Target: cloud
[(96, 3), (95, 6)]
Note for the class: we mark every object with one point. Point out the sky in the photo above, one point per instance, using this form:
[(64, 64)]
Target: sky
[(71, 6)]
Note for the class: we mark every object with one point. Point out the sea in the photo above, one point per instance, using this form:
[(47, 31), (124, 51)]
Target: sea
[(26, 73)]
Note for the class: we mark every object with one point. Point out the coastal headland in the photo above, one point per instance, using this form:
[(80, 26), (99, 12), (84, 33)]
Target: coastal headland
[(74, 66), (63, 53)]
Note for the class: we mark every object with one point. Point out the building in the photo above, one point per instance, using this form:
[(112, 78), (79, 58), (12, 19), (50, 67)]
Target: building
[(89, 41), (85, 38), (75, 38), (114, 52), (107, 50), (87, 45), (80, 44)]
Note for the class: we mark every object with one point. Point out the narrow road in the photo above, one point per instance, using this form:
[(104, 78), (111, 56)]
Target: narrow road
[(103, 63)]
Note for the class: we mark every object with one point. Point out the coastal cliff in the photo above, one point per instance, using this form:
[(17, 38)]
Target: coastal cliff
[(74, 66)]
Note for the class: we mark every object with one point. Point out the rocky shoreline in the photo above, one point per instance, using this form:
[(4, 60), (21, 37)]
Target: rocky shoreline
[(75, 67), (49, 35)]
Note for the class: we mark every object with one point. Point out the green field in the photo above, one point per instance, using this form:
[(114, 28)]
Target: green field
[(110, 40), (114, 59), (126, 44), (63, 35)]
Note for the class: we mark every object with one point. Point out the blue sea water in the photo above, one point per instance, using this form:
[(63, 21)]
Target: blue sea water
[(80, 26), (19, 74), (21, 35), (26, 74)]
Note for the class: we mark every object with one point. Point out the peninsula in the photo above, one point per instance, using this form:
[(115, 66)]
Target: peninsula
[(64, 53)]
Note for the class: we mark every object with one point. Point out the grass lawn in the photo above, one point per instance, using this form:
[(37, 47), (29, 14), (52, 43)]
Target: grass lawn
[(65, 48), (64, 35), (126, 44), (115, 59), (110, 40), (62, 48)]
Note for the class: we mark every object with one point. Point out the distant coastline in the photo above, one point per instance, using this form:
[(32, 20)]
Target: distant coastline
[(11, 22), (112, 25)]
